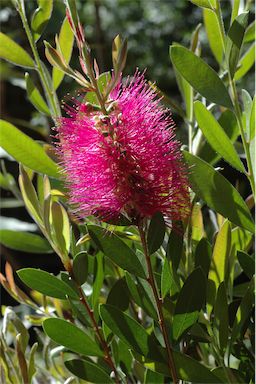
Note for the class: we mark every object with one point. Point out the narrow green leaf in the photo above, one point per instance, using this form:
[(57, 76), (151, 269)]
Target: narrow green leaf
[(250, 33), (25, 150), (252, 121), (253, 155), (203, 255), (200, 75), (166, 278), (66, 41), (156, 233), (128, 330), (216, 136), (231, 204), (175, 247), (11, 51), (190, 301), (115, 249), (229, 124), (213, 33), (29, 196), (219, 262), (61, 227), (234, 41), (88, 371), (153, 377), (80, 267), (247, 263), (40, 17), (118, 295), (247, 104), (24, 241), (235, 10), (197, 223), (221, 321), (31, 363), (246, 62), (98, 280), (45, 283), (204, 3), (21, 359), (71, 337), (35, 97)]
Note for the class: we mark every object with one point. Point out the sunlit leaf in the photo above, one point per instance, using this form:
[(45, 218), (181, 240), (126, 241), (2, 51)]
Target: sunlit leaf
[(24, 241), (11, 51), (246, 62), (45, 283), (40, 17), (200, 75), (35, 97), (71, 337), (231, 204), (213, 33), (25, 150), (88, 371)]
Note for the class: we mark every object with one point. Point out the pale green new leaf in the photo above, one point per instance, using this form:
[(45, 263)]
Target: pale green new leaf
[(245, 63), (213, 33), (11, 51)]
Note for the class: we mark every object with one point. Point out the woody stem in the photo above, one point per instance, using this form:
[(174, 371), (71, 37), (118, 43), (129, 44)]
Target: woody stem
[(152, 283)]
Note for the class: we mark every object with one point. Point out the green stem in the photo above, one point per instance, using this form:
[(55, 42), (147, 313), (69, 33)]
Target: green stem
[(48, 91), (159, 303)]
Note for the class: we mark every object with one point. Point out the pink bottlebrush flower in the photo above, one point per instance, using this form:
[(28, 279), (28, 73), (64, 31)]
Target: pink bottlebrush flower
[(128, 162)]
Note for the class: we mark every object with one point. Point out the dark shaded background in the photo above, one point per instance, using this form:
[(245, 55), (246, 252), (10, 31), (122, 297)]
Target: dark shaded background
[(150, 26)]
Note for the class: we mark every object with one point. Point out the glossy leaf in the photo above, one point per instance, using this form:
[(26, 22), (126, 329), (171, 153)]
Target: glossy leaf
[(66, 41), (247, 263), (128, 330), (45, 283), (35, 97), (40, 17), (88, 371), (25, 150), (213, 33), (71, 337), (156, 232), (24, 241), (11, 51), (231, 204), (116, 250), (216, 136), (246, 62), (200, 75), (228, 122), (234, 41), (221, 320), (190, 301), (80, 267)]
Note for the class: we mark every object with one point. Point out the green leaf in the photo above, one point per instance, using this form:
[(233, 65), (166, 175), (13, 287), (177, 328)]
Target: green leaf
[(166, 278), (247, 263), (80, 267), (203, 255), (235, 10), (31, 365), (153, 377), (252, 122), (229, 124), (118, 295), (175, 247), (190, 301), (250, 33), (197, 223), (45, 283), (61, 227), (200, 75), (213, 33), (243, 312), (115, 249), (24, 241), (156, 233), (246, 62), (204, 3), (247, 104), (234, 41), (40, 17), (11, 51), (221, 320), (66, 42), (71, 337), (231, 204), (25, 150), (88, 371), (35, 97), (216, 136), (98, 280), (128, 330)]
